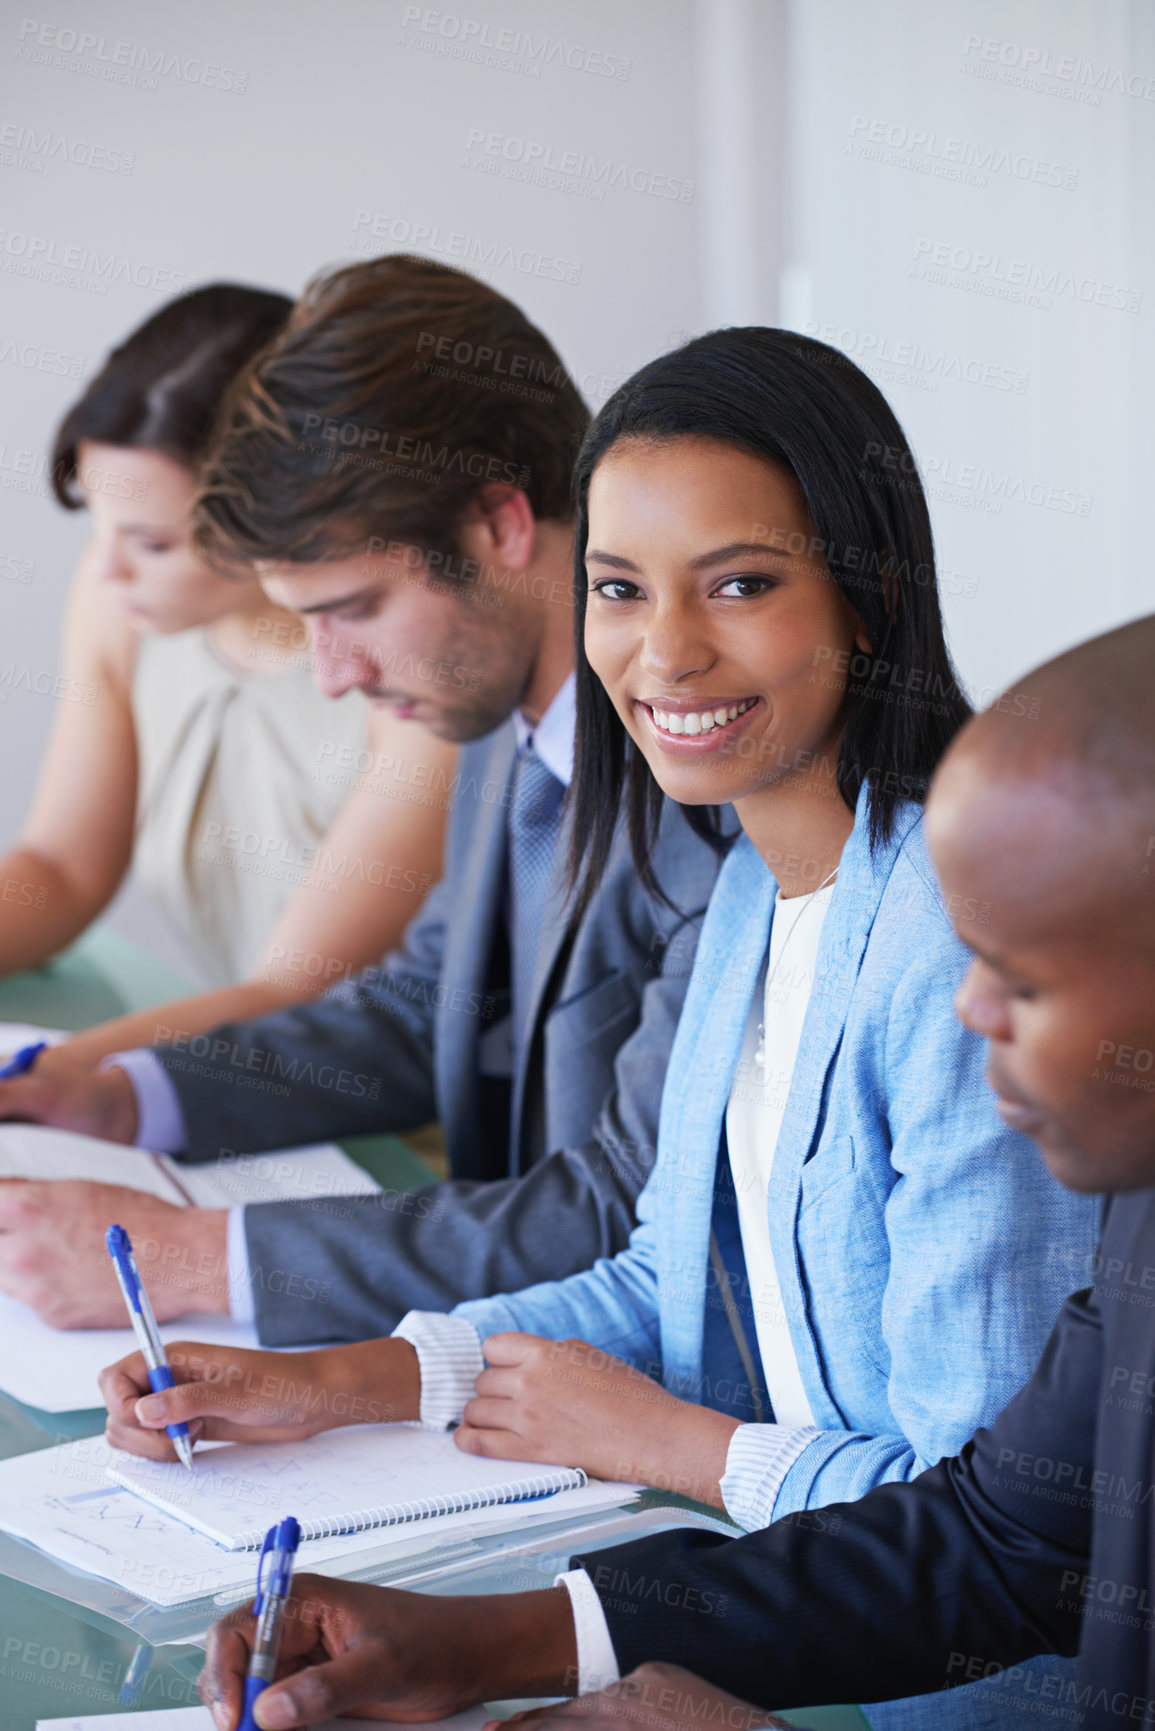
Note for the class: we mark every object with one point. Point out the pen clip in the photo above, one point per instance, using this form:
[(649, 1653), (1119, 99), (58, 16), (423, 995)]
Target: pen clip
[(270, 1541), (120, 1249)]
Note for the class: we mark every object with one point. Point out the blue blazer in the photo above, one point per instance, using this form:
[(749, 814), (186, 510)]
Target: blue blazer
[(923, 1249)]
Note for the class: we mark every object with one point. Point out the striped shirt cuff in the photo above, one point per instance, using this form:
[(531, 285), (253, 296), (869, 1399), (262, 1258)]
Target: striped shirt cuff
[(597, 1663), (450, 1360), (757, 1461)]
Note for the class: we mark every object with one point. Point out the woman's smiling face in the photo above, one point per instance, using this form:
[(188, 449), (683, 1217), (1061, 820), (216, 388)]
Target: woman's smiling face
[(723, 652)]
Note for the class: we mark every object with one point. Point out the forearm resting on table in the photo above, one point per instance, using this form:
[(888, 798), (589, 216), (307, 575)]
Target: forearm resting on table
[(184, 1017), (368, 1382), (42, 909), (186, 1263), (690, 1459)]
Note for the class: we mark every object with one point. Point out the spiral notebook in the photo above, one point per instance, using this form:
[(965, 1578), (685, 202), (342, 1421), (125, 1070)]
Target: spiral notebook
[(343, 1481)]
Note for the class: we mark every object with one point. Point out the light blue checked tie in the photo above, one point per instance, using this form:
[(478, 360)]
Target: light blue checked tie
[(534, 811)]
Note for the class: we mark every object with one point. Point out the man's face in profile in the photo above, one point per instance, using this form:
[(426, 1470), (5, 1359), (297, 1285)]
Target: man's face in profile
[(1054, 902), (447, 654)]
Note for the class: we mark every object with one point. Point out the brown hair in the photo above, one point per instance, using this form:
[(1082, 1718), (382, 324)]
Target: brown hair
[(397, 390), (161, 389)]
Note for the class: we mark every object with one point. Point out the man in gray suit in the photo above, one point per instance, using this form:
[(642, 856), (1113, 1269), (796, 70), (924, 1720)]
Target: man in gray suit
[(398, 470)]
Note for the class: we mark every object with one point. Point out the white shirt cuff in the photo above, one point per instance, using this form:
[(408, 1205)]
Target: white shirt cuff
[(757, 1461), (160, 1124), (597, 1662), (450, 1360), (241, 1306)]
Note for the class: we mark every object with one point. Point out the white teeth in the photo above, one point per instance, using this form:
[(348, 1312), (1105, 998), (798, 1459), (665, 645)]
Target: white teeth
[(703, 721)]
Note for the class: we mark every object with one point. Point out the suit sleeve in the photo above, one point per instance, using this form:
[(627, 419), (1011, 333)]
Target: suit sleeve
[(361, 1263), (977, 1562), (356, 1060)]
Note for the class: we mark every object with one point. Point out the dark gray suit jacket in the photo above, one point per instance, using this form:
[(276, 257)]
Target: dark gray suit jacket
[(545, 1166), (1038, 1538)]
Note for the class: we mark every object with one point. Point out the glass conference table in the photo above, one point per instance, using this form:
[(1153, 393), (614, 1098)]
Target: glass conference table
[(60, 1657)]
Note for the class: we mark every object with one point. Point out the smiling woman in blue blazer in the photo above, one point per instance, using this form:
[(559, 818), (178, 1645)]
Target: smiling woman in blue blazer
[(845, 1262)]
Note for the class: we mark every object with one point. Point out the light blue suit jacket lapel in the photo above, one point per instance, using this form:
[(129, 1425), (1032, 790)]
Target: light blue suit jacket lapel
[(731, 952), (862, 878), (706, 1050)]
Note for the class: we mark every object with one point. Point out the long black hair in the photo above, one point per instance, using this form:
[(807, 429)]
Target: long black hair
[(807, 408), (161, 388)]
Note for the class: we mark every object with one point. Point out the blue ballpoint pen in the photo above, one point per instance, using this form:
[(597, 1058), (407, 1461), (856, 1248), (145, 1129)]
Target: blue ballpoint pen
[(147, 1335), (22, 1061), (269, 1610), (139, 1666)]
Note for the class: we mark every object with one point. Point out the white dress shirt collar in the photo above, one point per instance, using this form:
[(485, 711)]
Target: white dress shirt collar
[(553, 737)]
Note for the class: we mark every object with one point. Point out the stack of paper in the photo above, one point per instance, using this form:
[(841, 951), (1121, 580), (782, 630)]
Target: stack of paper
[(61, 1500)]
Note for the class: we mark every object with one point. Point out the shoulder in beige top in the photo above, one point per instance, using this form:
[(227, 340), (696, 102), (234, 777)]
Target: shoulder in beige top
[(234, 800)]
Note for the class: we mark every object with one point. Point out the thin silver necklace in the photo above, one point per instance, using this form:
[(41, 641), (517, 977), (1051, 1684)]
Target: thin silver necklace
[(760, 1054)]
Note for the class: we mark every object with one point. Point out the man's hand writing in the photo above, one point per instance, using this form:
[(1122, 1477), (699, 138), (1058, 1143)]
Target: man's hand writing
[(385, 1654), (53, 1255), (73, 1094)]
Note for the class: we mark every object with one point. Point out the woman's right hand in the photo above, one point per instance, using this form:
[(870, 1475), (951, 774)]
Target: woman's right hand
[(233, 1394), (73, 1094)]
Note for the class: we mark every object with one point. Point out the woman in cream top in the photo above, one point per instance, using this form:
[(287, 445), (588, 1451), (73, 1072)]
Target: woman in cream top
[(282, 834), (236, 793)]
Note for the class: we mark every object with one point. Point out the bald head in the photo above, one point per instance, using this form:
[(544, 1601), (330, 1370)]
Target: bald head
[(1084, 722), (1041, 821), (1062, 769)]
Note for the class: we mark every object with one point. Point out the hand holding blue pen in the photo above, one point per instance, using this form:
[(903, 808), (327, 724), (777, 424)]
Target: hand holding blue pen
[(22, 1061), (281, 1543), (147, 1334)]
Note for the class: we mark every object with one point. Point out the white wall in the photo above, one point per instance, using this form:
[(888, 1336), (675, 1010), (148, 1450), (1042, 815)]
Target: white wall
[(1024, 575), (797, 216), (344, 109)]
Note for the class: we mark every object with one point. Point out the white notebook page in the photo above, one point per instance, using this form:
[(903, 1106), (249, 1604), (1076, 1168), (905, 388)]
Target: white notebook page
[(39, 1151), (364, 1475)]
